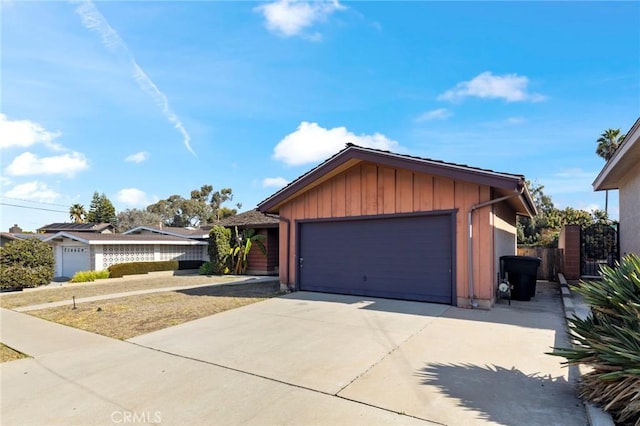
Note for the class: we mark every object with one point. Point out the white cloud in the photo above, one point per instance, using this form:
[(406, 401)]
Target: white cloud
[(132, 197), (311, 143), (138, 157), (29, 164), (24, 133), (33, 191), (291, 18), (275, 182), (93, 20), (510, 87), (436, 114)]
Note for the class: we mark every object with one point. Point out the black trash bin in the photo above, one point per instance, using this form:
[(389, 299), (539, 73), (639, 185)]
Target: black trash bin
[(522, 273)]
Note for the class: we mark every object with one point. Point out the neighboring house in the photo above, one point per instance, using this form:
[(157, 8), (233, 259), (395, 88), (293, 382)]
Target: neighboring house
[(258, 263), (376, 223), (191, 233), (622, 172), (16, 233), (84, 251), (102, 228)]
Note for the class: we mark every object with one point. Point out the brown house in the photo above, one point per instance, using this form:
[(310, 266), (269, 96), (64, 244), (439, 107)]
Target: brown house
[(258, 263), (376, 223)]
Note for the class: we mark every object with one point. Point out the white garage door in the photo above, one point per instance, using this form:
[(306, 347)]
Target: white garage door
[(74, 259)]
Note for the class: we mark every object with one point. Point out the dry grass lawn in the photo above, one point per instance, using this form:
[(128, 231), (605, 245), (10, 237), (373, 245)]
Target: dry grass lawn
[(100, 287), (9, 354), (127, 317)]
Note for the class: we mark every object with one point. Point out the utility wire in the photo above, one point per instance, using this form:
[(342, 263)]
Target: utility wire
[(33, 208), (32, 201)]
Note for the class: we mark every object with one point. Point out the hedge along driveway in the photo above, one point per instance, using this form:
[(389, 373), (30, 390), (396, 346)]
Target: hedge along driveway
[(108, 286)]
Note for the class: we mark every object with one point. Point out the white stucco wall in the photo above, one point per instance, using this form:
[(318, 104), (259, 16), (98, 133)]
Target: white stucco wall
[(630, 213)]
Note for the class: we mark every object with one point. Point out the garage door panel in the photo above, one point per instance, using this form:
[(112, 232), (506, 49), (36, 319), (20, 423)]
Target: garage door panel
[(408, 258)]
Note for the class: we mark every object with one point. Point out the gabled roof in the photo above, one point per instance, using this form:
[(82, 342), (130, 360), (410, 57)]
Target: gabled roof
[(353, 155), (170, 230), (250, 219), (117, 239), (76, 227), (624, 159)]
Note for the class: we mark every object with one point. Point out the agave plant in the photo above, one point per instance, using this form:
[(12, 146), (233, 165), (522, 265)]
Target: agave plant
[(608, 341)]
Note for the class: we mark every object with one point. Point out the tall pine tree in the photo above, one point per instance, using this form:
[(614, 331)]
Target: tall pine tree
[(101, 210)]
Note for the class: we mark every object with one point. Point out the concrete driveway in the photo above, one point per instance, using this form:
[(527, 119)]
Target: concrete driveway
[(306, 358)]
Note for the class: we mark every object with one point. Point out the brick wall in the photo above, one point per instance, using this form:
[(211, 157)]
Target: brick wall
[(570, 243)]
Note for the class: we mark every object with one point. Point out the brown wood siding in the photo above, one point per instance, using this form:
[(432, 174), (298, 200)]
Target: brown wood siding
[(369, 189)]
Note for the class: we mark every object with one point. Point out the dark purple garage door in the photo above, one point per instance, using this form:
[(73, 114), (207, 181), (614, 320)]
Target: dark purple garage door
[(406, 257)]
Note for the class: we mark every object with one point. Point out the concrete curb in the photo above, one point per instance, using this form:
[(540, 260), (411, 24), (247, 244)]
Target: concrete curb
[(595, 415)]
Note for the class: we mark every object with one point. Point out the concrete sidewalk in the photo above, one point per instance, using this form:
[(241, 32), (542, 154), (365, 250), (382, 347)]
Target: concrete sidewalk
[(80, 378)]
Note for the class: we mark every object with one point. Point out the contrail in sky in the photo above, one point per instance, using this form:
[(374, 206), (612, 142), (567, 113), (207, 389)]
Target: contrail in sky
[(93, 20)]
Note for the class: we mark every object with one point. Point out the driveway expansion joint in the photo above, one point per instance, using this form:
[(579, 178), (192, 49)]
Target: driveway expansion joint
[(282, 381)]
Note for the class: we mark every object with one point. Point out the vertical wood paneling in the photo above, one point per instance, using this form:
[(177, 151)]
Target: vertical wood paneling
[(380, 191), (485, 249), (338, 199), (324, 203), (298, 212), (354, 192), (404, 185), (389, 188), (422, 192), (443, 193), (311, 204), (370, 189), (461, 236)]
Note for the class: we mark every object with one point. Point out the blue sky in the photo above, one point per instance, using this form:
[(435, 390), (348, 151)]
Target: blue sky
[(142, 100)]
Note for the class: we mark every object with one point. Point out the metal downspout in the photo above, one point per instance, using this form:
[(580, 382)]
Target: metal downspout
[(472, 302)]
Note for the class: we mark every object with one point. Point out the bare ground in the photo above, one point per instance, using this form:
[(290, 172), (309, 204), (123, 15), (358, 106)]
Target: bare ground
[(10, 354), (127, 317), (108, 286)]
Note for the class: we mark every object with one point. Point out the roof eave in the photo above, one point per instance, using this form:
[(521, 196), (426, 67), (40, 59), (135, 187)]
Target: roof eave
[(354, 155), (624, 159)]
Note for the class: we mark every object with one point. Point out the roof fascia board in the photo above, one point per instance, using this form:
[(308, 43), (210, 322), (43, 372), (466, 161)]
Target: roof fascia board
[(313, 177)]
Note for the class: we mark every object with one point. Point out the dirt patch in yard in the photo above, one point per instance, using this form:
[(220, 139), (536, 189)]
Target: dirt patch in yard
[(127, 317), (109, 286), (10, 354)]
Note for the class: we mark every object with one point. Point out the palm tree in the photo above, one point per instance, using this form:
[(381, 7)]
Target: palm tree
[(608, 142), (77, 213)]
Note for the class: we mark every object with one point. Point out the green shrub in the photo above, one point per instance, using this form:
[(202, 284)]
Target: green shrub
[(608, 341), (26, 263), (132, 268), (206, 269), (219, 246), (87, 276)]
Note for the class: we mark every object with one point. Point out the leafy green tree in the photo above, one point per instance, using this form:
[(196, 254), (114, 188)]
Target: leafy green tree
[(26, 263), (101, 210), (544, 229), (204, 206), (608, 143), (131, 218), (77, 213)]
